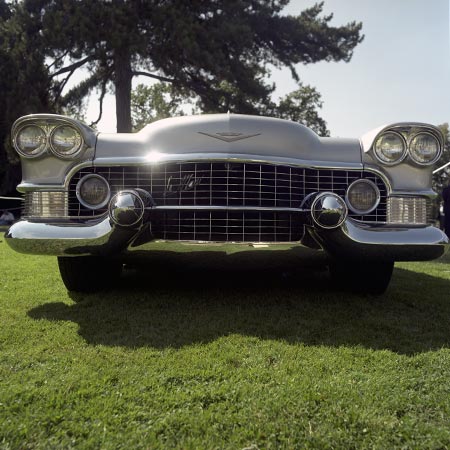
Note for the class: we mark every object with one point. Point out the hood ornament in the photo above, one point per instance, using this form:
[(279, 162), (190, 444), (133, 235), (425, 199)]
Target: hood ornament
[(229, 136)]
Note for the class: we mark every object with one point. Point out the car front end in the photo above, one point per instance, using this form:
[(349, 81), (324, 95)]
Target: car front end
[(227, 181)]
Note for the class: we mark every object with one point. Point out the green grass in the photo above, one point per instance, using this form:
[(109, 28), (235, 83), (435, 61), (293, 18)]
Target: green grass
[(244, 360)]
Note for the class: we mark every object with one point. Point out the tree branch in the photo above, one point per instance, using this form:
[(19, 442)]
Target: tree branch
[(156, 77), (73, 66), (101, 98), (57, 60), (63, 85)]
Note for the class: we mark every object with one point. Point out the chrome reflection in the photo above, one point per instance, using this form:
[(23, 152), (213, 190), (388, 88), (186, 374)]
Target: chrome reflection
[(328, 210), (126, 208)]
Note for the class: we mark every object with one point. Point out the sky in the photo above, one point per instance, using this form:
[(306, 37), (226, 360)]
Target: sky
[(399, 73)]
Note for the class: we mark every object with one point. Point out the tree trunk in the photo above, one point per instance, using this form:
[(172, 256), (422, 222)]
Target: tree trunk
[(123, 76)]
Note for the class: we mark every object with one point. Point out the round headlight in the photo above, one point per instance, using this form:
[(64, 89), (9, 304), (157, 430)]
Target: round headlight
[(424, 148), (65, 141), (362, 196), (30, 141), (390, 148), (93, 191)]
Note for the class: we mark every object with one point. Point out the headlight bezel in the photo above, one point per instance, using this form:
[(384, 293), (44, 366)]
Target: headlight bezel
[(363, 212), (16, 144), (404, 152), (84, 202), (48, 124), (436, 156), (408, 132), (52, 144)]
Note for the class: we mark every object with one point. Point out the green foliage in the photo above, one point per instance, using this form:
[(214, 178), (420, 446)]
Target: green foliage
[(159, 101), (24, 86), (301, 106), (186, 360), (151, 103), (201, 47)]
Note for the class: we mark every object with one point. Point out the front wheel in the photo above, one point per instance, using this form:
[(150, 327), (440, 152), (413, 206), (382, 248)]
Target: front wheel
[(362, 277), (88, 273)]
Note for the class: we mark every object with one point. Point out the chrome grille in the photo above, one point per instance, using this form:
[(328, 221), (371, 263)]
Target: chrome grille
[(227, 226), (228, 184)]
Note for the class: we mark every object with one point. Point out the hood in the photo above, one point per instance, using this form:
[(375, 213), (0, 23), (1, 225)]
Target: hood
[(227, 135)]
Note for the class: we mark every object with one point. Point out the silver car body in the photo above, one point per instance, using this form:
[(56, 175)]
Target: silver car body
[(191, 150)]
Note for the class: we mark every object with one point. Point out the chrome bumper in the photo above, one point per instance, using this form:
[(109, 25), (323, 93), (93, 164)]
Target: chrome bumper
[(350, 240)]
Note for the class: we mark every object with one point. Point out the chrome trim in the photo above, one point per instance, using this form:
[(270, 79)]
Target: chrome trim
[(29, 187), (80, 199), (126, 208), (328, 210), (361, 242), (405, 148), (224, 208), (378, 195), (375, 170), (351, 240), (430, 195), (154, 159)]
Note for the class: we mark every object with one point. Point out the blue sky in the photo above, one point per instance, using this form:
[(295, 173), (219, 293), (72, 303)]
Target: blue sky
[(400, 72)]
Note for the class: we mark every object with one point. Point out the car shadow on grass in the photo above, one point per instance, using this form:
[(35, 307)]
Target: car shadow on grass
[(163, 308)]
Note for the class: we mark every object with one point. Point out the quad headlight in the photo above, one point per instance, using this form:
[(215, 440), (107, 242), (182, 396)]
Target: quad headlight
[(36, 138), (424, 148), (93, 191), (363, 196), (30, 141), (65, 141), (390, 148)]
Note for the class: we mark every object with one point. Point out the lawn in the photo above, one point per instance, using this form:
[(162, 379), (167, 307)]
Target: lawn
[(223, 359)]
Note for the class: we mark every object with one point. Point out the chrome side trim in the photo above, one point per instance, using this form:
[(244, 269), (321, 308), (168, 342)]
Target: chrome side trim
[(156, 158)]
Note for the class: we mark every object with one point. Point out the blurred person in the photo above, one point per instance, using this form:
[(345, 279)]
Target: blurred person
[(7, 218)]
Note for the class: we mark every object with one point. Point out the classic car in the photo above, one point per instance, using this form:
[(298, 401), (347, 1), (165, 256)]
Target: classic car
[(210, 182)]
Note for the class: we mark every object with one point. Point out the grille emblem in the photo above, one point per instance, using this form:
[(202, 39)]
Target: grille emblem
[(229, 137), (185, 183)]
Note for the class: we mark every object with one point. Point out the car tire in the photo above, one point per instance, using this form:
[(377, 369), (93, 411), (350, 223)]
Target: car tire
[(88, 273), (362, 277)]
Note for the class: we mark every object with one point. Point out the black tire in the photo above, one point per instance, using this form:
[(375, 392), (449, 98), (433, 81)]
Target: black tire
[(362, 277), (88, 273)]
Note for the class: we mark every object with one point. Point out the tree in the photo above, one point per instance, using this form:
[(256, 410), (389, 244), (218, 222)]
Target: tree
[(201, 47), (150, 103), (24, 88), (301, 106)]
